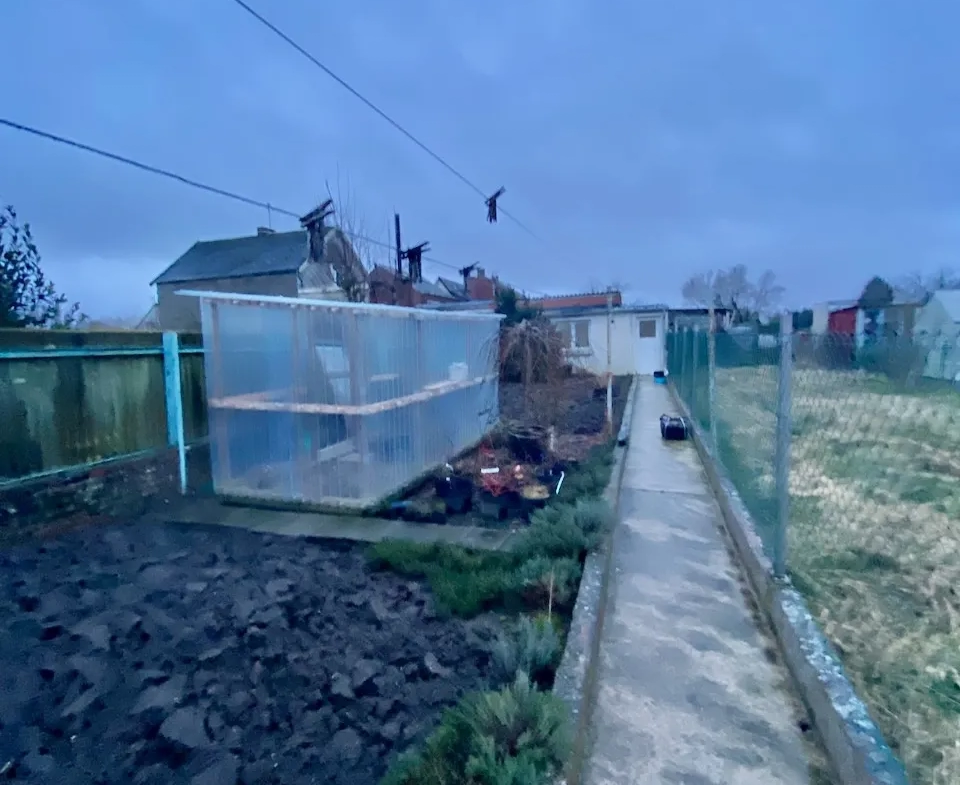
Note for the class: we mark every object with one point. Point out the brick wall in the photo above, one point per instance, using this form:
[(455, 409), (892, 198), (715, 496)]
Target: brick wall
[(119, 490)]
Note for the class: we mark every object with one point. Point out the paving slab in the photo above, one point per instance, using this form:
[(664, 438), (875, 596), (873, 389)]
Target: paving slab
[(209, 511), (688, 692)]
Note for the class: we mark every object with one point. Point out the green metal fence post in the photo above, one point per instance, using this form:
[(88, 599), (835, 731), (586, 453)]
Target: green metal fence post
[(682, 341), (712, 376), (174, 402), (694, 397), (784, 431)]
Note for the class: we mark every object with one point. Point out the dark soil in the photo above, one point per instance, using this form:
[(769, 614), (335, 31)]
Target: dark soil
[(578, 404), (168, 654)]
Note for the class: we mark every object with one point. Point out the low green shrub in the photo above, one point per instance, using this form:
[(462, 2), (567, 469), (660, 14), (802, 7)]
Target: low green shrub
[(566, 530), (532, 647), (590, 477), (464, 582), (543, 581), (595, 518), (515, 736), (553, 532)]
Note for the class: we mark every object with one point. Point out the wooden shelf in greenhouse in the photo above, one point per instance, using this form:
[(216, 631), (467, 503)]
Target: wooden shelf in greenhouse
[(259, 402)]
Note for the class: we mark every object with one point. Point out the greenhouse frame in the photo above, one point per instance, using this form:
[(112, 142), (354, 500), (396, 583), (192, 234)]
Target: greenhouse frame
[(332, 404)]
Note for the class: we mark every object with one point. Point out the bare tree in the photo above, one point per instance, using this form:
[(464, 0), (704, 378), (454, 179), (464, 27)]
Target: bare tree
[(352, 278), (917, 286), (767, 293), (535, 347), (733, 289)]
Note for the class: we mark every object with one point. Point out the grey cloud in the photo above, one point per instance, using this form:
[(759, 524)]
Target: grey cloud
[(643, 141)]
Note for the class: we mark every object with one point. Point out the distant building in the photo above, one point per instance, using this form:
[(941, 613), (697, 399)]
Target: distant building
[(387, 287), (879, 312), (680, 318), (318, 261), (937, 330)]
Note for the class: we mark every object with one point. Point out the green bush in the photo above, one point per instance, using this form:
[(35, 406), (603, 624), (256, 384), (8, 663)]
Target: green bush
[(542, 579), (566, 530), (464, 582), (591, 477), (595, 518), (553, 532), (515, 736), (532, 647)]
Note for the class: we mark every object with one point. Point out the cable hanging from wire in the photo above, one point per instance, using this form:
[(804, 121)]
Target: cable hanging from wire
[(489, 201), (270, 208)]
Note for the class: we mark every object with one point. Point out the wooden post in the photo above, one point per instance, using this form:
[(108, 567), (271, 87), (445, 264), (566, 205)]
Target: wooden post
[(419, 441), (355, 361), (300, 455), (609, 362), (222, 432)]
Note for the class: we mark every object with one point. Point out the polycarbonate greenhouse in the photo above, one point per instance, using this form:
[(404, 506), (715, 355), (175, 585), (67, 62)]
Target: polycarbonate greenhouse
[(335, 404)]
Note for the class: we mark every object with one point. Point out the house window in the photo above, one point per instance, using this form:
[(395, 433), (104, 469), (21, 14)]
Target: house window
[(648, 328), (575, 335), (581, 334)]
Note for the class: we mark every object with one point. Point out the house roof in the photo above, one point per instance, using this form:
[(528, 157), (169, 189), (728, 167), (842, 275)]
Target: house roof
[(456, 288), (697, 310), (461, 305), (579, 300), (600, 310), (432, 289), (262, 254), (240, 257), (151, 319), (950, 300)]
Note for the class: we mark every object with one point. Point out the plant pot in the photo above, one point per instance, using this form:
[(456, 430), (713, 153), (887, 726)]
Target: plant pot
[(453, 486), (456, 490), (493, 506), (459, 504)]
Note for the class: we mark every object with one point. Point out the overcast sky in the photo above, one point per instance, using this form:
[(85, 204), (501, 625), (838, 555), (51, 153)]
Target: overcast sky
[(642, 141)]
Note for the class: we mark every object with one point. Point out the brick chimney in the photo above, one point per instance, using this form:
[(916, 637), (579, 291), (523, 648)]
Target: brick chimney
[(479, 287)]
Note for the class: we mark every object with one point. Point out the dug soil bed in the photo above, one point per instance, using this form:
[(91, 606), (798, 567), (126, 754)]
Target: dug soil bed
[(578, 404), (145, 653)]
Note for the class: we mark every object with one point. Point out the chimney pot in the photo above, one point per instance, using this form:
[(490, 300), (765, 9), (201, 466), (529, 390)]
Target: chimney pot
[(262, 230), (481, 273)]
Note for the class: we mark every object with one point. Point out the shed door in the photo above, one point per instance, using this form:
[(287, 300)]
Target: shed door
[(647, 346)]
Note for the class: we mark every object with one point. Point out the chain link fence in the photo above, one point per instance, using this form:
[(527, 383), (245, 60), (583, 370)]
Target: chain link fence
[(865, 517)]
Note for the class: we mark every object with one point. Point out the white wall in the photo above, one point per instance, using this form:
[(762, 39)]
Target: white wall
[(624, 341), (821, 318), (938, 334)]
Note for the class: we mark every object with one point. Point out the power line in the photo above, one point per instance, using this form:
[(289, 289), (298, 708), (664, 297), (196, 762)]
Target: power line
[(187, 181), (371, 105)]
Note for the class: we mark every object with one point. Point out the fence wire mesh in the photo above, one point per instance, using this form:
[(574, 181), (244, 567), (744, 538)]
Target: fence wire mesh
[(874, 499)]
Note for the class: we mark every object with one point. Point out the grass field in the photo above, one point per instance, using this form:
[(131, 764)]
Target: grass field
[(874, 542)]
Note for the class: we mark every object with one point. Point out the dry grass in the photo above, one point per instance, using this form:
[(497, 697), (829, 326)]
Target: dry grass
[(874, 539)]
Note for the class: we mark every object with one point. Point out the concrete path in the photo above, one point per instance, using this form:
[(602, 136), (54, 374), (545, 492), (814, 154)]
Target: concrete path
[(689, 693)]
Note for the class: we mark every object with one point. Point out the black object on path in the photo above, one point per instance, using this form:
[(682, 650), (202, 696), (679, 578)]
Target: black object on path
[(674, 429)]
